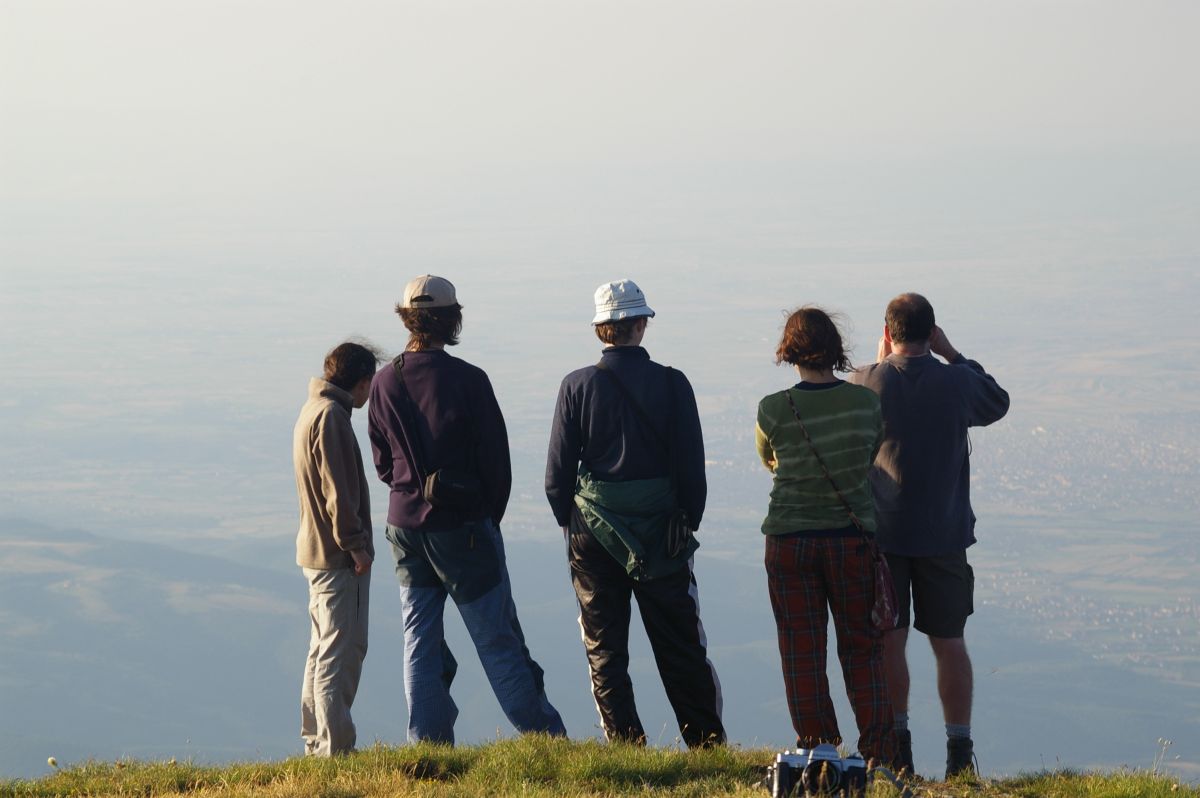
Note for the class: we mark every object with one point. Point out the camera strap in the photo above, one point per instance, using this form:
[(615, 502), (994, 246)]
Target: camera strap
[(905, 790), (849, 510)]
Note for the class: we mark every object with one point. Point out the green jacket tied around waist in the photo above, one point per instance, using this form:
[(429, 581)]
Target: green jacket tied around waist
[(630, 520)]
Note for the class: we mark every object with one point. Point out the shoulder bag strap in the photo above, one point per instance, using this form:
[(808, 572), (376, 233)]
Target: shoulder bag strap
[(412, 435), (647, 422), (849, 510)]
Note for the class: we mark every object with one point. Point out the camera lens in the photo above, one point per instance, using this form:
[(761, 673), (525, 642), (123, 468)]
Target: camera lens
[(820, 777)]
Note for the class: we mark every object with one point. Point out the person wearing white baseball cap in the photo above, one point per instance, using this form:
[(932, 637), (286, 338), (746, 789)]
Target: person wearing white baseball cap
[(429, 291), (625, 479), (440, 444)]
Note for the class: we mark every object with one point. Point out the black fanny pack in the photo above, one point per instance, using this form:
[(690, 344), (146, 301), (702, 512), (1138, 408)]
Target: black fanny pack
[(453, 489)]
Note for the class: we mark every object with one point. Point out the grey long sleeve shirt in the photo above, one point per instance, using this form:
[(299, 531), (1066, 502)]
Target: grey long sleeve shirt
[(922, 475)]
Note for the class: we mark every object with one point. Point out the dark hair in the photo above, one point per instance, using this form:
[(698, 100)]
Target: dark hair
[(811, 339), (909, 319), (428, 327), (619, 332), (348, 364)]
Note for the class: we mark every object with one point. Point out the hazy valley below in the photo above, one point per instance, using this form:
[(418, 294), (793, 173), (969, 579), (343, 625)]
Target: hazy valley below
[(154, 610)]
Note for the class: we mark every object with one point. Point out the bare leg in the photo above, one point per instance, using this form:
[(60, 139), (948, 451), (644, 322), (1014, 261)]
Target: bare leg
[(955, 678)]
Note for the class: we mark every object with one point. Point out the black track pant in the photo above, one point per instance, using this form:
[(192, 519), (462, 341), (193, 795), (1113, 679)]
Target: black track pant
[(670, 612)]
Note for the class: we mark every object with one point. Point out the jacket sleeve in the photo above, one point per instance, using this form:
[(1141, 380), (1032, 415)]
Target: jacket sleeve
[(340, 463), (381, 450), (762, 442), (693, 487), (877, 421), (492, 455), (562, 459), (985, 400)]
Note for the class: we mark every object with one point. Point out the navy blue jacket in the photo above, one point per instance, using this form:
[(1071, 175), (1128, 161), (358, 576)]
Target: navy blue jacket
[(458, 425), (594, 425)]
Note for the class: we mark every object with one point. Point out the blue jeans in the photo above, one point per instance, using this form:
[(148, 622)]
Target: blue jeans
[(467, 564)]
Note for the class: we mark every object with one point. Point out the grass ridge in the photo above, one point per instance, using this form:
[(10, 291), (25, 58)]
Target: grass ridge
[(534, 766)]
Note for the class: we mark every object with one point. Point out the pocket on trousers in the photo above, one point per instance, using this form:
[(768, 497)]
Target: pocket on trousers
[(323, 581), (970, 589), (466, 560)]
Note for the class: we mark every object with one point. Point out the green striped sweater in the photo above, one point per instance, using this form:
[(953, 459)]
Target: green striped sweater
[(847, 428)]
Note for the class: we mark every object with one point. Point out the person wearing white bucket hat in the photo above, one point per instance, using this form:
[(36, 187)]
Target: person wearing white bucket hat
[(620, 300), (625, 479)]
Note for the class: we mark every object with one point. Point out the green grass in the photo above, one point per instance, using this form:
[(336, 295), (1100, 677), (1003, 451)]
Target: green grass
[(532, 766)]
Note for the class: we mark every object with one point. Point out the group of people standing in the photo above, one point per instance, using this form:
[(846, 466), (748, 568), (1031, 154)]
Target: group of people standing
[(879, 460)]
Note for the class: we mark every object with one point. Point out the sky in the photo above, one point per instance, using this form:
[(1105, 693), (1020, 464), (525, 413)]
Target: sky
[(153, 152), (279, 114)]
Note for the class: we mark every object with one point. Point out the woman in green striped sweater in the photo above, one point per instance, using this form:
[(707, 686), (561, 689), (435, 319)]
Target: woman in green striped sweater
[(817, 561)]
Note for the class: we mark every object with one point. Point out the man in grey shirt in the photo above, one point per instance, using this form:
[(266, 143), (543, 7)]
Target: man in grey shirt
[(921, 481)]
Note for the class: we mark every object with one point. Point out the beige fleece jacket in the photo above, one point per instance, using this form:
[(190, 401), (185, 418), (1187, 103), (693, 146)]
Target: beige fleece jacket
[(335, 506)]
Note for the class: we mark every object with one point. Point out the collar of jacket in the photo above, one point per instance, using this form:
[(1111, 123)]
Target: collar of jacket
[(622, 352), (324, 389), (910, 361)]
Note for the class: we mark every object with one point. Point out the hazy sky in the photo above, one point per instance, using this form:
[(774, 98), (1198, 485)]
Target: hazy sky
[(316, 111), (198, 198)]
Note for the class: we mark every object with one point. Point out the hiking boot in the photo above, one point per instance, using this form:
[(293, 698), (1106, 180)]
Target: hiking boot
[(960, 757), (904, 761)]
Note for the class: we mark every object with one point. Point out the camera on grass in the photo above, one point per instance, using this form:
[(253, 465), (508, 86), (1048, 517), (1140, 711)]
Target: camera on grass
[(816, 771)]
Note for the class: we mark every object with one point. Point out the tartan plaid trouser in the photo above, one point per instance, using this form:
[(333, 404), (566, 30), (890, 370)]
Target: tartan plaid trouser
[(804, 576)]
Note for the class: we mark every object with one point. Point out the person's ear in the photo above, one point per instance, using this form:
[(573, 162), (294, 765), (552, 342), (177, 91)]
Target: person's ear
[(362, 391), (887, 334)]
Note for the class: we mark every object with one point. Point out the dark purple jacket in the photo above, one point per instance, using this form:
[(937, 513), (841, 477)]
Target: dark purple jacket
[(594, 425), (458, 425)]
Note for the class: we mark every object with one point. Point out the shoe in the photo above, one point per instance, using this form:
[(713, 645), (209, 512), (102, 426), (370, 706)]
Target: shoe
[(960, 757), (904, 760)]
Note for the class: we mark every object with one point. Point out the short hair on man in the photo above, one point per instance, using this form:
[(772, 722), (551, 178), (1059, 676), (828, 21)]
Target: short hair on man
[(615, 333), (909, 319), (429, 327), (811, 339), (347, 364)]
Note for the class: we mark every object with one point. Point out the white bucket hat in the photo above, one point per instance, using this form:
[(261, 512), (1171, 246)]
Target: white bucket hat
[(428, 291), (620, 300)]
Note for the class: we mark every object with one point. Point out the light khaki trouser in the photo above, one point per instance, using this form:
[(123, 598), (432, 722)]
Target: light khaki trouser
[(337, 604)]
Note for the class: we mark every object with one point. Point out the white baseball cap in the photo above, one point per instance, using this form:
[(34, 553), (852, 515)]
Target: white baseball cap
[(620, 300), (428, 291)]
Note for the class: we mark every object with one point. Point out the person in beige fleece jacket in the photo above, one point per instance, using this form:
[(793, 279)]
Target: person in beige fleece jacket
[(333, 546)]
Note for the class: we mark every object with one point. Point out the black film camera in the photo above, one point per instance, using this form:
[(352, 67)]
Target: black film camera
[(816, 771)]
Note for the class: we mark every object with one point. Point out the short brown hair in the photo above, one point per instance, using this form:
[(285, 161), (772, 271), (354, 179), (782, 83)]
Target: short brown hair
[(811, 339), (349, 363), (429, 327), (615, 333), (909, 319)]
